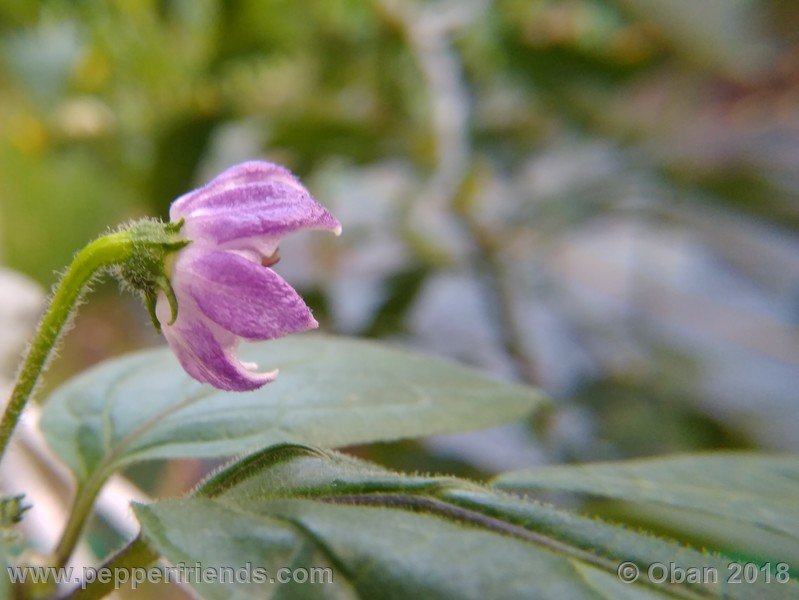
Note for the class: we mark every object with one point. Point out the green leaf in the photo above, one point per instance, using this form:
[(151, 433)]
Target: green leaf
[(385, 535), (330, 392), (746, 503)]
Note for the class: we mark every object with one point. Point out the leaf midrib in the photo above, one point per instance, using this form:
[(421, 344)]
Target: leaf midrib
[(462, 515)]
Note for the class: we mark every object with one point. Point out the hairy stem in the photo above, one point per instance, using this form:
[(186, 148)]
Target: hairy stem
[(101, 253), (136, 555)]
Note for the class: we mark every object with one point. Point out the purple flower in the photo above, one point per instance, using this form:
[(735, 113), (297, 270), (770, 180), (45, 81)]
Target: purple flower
[(224, 288)]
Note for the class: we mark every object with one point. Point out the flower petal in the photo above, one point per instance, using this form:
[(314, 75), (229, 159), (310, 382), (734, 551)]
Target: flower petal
[(207, 352), (224, 291), (254, 171), (243, 297), (205, 358), (254, 216)]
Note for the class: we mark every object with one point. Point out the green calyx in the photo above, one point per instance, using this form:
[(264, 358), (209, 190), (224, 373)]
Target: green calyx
[(145, 269)]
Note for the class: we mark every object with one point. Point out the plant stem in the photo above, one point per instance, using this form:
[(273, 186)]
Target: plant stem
[(85, 496), (499, 298), (135, 555), (102, 252)]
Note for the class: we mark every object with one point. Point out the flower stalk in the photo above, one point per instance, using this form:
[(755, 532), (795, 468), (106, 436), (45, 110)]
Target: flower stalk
[(137, 251), (101, 253)]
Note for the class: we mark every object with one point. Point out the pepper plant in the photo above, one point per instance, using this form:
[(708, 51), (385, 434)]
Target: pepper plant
[(289, 500)]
